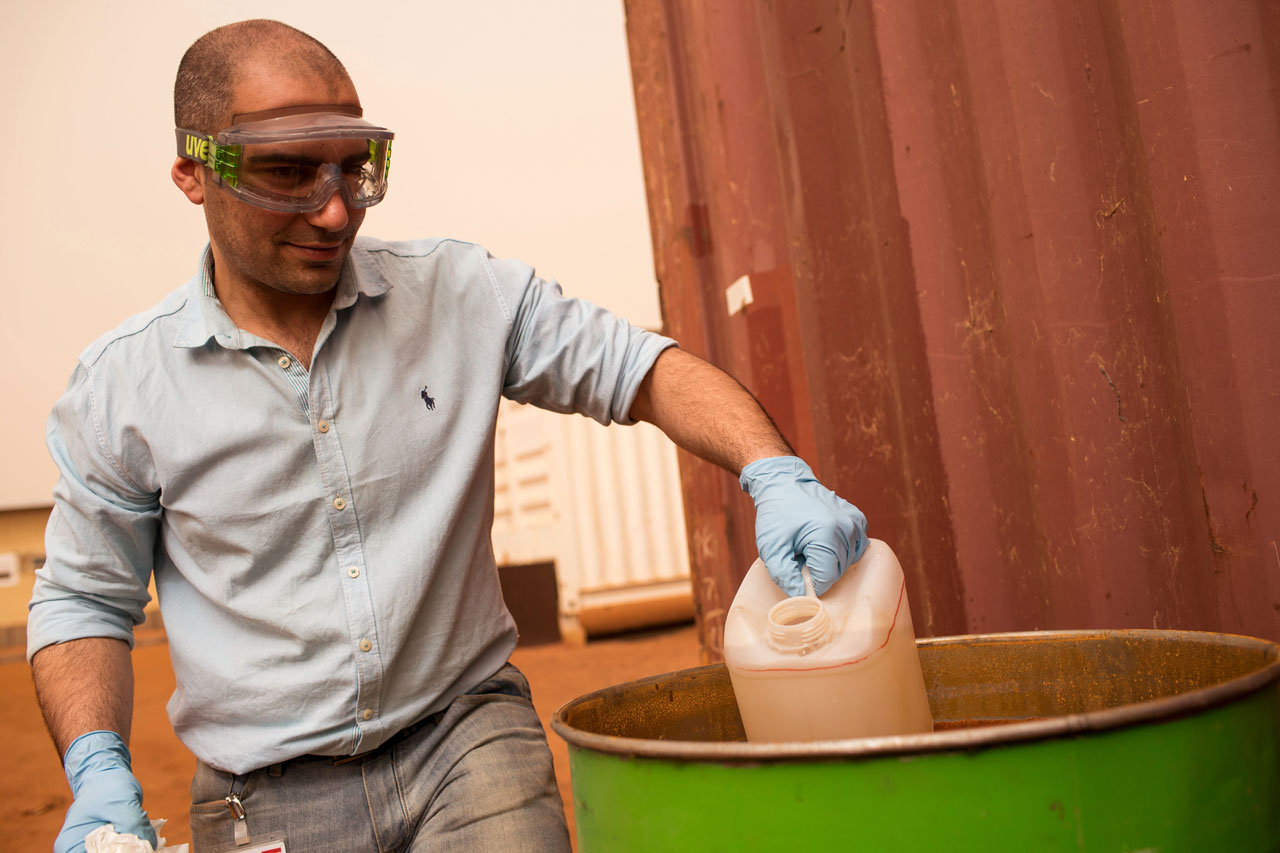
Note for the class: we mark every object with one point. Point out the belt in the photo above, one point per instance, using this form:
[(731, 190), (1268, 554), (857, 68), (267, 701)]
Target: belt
[(408, 731)]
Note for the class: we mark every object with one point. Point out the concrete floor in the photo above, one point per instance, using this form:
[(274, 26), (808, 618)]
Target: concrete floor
[(35, 791)]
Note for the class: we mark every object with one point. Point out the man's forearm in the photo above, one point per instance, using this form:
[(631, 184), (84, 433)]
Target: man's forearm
[(707, 412), (83, 686)]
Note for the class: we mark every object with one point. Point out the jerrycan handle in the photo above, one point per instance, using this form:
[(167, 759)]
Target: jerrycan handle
[(800, 624)]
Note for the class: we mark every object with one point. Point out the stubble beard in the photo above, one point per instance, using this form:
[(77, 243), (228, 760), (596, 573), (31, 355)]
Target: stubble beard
[(263, 259), (300, 276), (268, 263), (271, 268)]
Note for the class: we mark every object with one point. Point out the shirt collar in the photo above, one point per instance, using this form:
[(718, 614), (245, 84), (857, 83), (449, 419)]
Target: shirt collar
[(203, 316)]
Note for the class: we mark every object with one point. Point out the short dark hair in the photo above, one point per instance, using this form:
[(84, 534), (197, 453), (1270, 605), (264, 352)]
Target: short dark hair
[(207, 73)]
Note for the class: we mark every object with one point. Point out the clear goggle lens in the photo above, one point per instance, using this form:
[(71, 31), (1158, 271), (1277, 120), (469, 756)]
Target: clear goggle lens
[(296, 167), (303, 176)]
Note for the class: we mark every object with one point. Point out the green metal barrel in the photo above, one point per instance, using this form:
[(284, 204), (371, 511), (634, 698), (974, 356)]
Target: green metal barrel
[(1108, 741)]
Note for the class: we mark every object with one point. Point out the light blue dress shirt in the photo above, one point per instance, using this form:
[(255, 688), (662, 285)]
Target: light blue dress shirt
[(320, 539)]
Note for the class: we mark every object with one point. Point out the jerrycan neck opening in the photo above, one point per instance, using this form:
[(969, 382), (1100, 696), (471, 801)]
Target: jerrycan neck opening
[(798, 625)]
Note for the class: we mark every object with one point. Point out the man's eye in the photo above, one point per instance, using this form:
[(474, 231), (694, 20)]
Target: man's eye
[(286, 174)]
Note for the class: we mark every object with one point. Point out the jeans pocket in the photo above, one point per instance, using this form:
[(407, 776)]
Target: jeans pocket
[(210, 789), (210, 815)]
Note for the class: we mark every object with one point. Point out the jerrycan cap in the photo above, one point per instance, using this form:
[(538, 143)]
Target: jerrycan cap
[(800, 624)]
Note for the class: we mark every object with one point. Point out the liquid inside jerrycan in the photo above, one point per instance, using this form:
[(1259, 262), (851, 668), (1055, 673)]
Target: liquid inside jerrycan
[(843, 666)]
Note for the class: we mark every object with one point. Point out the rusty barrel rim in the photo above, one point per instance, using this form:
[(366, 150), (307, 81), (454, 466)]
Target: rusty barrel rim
[(1170, 707)]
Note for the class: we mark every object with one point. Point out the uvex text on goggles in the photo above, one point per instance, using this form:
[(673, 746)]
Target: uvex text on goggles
[(294, 159)]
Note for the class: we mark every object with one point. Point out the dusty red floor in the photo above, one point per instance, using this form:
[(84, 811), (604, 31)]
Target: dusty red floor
[(35, 792)]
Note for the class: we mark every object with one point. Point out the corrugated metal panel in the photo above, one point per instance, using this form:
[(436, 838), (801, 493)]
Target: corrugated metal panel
[(1015, 289), (602, 503)]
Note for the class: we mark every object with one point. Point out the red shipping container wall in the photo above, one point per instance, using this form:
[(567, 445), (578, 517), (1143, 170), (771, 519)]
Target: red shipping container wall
[(1015, 274)]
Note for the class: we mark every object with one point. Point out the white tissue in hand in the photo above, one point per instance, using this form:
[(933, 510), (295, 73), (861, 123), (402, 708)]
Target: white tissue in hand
[(105, 839)]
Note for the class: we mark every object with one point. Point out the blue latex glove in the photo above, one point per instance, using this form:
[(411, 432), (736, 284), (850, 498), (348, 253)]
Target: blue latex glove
[(105, 791), (799, 520)]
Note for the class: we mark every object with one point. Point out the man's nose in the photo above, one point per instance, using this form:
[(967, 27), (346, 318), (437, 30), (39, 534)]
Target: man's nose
[(333, 215)]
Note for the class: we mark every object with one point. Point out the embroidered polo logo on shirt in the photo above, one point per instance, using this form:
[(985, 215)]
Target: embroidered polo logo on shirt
[(428, 399)]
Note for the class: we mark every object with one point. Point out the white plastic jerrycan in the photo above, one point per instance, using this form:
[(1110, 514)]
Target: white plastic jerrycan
[(843, 666)]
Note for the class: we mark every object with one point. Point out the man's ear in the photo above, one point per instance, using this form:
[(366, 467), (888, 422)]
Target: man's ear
[(187, 175)]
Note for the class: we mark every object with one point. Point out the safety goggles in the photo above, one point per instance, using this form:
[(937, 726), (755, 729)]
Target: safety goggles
[(295, 159)]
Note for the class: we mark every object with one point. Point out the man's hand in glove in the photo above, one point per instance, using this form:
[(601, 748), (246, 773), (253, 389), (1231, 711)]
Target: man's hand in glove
[(798, 520), (105, 790)]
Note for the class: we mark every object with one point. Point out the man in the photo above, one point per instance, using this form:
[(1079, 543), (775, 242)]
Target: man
[(318, 536)]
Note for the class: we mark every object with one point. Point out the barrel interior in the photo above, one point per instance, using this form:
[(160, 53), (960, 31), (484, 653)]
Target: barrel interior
[(972, 681)]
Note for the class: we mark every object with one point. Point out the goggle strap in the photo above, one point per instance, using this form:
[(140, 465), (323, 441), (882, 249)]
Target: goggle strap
[(222, 160)]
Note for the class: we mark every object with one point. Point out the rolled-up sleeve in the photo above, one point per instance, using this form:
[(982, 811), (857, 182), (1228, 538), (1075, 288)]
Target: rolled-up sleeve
[(568, 355), (101, 538)]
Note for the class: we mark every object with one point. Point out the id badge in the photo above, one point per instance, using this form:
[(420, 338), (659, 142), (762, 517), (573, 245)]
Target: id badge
[(261, 844)]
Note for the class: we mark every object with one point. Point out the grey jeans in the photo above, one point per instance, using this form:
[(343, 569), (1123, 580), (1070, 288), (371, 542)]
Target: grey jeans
[(477, 776)]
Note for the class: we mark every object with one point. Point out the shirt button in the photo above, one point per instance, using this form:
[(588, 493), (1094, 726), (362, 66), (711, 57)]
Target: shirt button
[(365, 645), (284, 362), (366, 714), (323, 426), (353, 571), (339, 503)]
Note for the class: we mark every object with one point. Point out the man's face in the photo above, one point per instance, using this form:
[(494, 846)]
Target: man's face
[(298, 253)]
